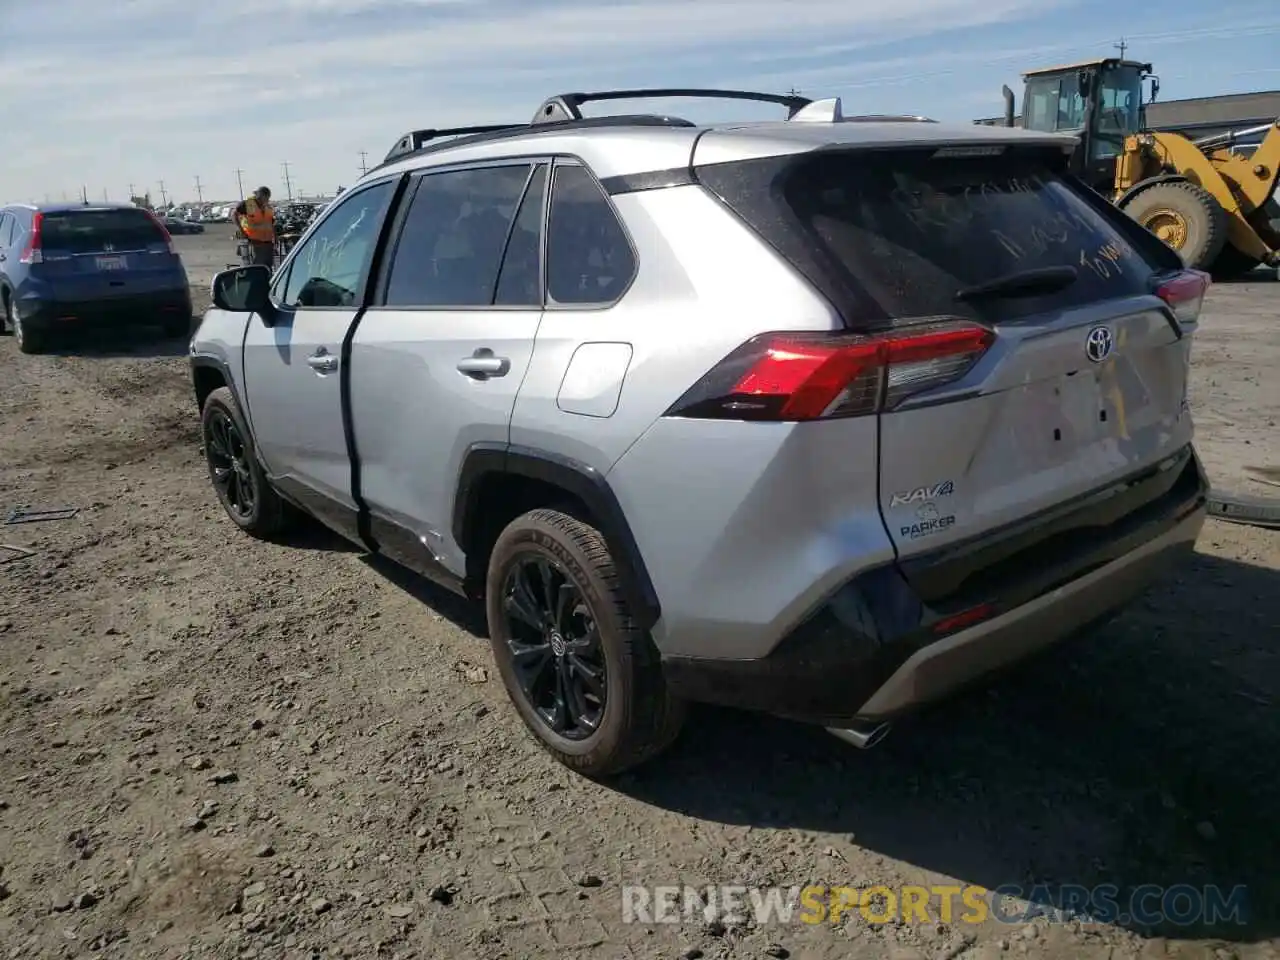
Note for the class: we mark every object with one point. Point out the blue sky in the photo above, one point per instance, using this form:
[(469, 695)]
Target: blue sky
[(108, 93)]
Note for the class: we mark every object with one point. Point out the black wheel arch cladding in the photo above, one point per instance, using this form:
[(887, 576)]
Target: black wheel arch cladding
[(578, 480)]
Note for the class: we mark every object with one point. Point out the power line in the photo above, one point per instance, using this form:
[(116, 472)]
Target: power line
[(1121, 46), (164, 197), (364, 166), (240, 181), (199, 190), (288, 186)]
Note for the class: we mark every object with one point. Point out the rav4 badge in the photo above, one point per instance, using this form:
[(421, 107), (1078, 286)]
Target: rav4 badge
[(923, 494)]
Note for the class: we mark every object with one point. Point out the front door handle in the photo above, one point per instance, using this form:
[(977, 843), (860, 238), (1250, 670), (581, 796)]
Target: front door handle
[(483, 364), (322, 361)]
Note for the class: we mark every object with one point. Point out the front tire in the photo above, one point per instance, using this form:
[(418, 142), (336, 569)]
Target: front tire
[(1186, 217), (584, 677), (238, 479)]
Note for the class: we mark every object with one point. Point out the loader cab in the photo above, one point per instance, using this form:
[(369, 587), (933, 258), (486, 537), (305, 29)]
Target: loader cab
[(1101, 102)]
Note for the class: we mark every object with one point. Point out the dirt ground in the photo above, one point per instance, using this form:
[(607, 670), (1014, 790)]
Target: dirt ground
[(213, 747)]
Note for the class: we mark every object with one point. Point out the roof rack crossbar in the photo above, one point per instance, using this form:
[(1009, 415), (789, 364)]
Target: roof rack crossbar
[(415, 140), (567, 106)]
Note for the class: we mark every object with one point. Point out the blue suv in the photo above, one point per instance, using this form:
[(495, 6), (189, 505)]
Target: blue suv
[(66, 268)]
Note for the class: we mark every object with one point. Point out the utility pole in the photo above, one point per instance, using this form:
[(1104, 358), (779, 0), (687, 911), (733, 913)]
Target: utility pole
[(288, 186), (364, 166), (164, 197), (84, 194), (1121, 46), (132, 194), (240, 181), (199, 190), (104, 195)]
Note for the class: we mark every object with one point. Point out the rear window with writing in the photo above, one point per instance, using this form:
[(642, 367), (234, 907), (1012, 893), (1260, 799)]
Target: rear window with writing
[(913, 231)]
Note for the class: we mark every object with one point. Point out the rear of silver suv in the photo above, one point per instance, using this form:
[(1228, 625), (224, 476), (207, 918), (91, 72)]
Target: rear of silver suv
[(822, 417)]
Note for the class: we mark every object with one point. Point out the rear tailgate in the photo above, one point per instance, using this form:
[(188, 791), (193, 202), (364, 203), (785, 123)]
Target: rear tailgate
[(1084, 382), (102, 253), (999, 402)]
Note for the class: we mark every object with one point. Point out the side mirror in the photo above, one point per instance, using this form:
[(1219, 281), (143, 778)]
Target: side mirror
[(1155, 88), (1085, 82), (245, 290)]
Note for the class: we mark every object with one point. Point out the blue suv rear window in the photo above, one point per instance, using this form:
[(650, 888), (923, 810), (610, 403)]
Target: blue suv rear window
[(93, 231)]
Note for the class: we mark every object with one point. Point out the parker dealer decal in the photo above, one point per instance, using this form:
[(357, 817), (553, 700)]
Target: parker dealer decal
[(929, 519)]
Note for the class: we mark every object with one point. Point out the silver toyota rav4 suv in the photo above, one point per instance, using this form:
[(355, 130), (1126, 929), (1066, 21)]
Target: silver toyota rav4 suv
[(823, 416)]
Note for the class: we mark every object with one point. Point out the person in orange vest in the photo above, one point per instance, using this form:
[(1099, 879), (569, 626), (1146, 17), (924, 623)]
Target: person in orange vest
[(256, 219)]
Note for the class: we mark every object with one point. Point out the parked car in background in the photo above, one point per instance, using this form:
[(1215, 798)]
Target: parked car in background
[(176, 226), (68, 268), (814, 417)]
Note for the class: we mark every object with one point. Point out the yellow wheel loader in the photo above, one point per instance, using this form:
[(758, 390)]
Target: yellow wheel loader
[(1214, 205)]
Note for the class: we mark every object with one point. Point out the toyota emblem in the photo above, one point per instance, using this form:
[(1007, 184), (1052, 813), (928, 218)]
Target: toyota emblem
[(1099, 343)]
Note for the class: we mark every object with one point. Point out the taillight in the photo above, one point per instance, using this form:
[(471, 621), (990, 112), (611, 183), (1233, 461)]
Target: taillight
[(32, 253), (164, 231), (1184, 293), (814, 376)]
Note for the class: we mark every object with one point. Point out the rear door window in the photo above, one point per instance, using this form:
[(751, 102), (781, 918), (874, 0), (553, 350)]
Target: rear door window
[(912, 231), (454, 234), (99, 231)]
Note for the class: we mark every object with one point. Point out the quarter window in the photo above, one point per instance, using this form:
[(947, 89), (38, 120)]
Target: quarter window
[(589, 258), (450, 248), (330, 267)]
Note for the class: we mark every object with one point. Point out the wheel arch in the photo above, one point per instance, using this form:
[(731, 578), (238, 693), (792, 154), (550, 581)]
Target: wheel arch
[(208, 374), (498, 470)]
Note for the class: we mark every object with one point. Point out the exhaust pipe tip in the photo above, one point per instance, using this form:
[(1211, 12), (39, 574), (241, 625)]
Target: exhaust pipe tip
[(862, 736)]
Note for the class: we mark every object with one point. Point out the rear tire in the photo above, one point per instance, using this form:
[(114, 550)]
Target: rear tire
[(6, 312), (29, 341), (1186, 217), (1232, 264), (585, 634), (238, 479)]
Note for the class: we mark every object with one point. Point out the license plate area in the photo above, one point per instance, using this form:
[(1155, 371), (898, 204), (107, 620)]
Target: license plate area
[(111, 263), (1052, 419)]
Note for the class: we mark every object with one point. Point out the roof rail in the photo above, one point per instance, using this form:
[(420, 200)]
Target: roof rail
[(889, 118), (414, 140), (419, 141), (567, 106)]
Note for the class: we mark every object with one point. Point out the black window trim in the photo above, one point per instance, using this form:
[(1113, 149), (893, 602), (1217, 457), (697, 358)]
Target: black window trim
[(286, 269), (532, 161), (541, 305), (596, 307)]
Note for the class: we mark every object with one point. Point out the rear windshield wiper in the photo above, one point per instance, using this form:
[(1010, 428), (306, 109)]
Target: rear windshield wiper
[(1024, 283)]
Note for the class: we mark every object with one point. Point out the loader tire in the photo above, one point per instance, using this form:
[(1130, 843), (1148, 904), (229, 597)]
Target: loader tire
[(1232, 264), (1186, 217)]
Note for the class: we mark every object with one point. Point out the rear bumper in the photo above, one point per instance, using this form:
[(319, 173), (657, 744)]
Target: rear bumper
[(875, 650), (139, 309)]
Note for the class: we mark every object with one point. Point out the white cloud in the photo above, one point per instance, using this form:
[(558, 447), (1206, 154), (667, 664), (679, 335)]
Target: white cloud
[(136, 90)]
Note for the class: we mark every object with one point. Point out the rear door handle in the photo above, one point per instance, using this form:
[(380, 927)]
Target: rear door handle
[(322, 361), (483, 364)]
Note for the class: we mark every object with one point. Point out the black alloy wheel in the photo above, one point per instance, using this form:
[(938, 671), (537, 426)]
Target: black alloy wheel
[(229, 466), (555, 646)]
